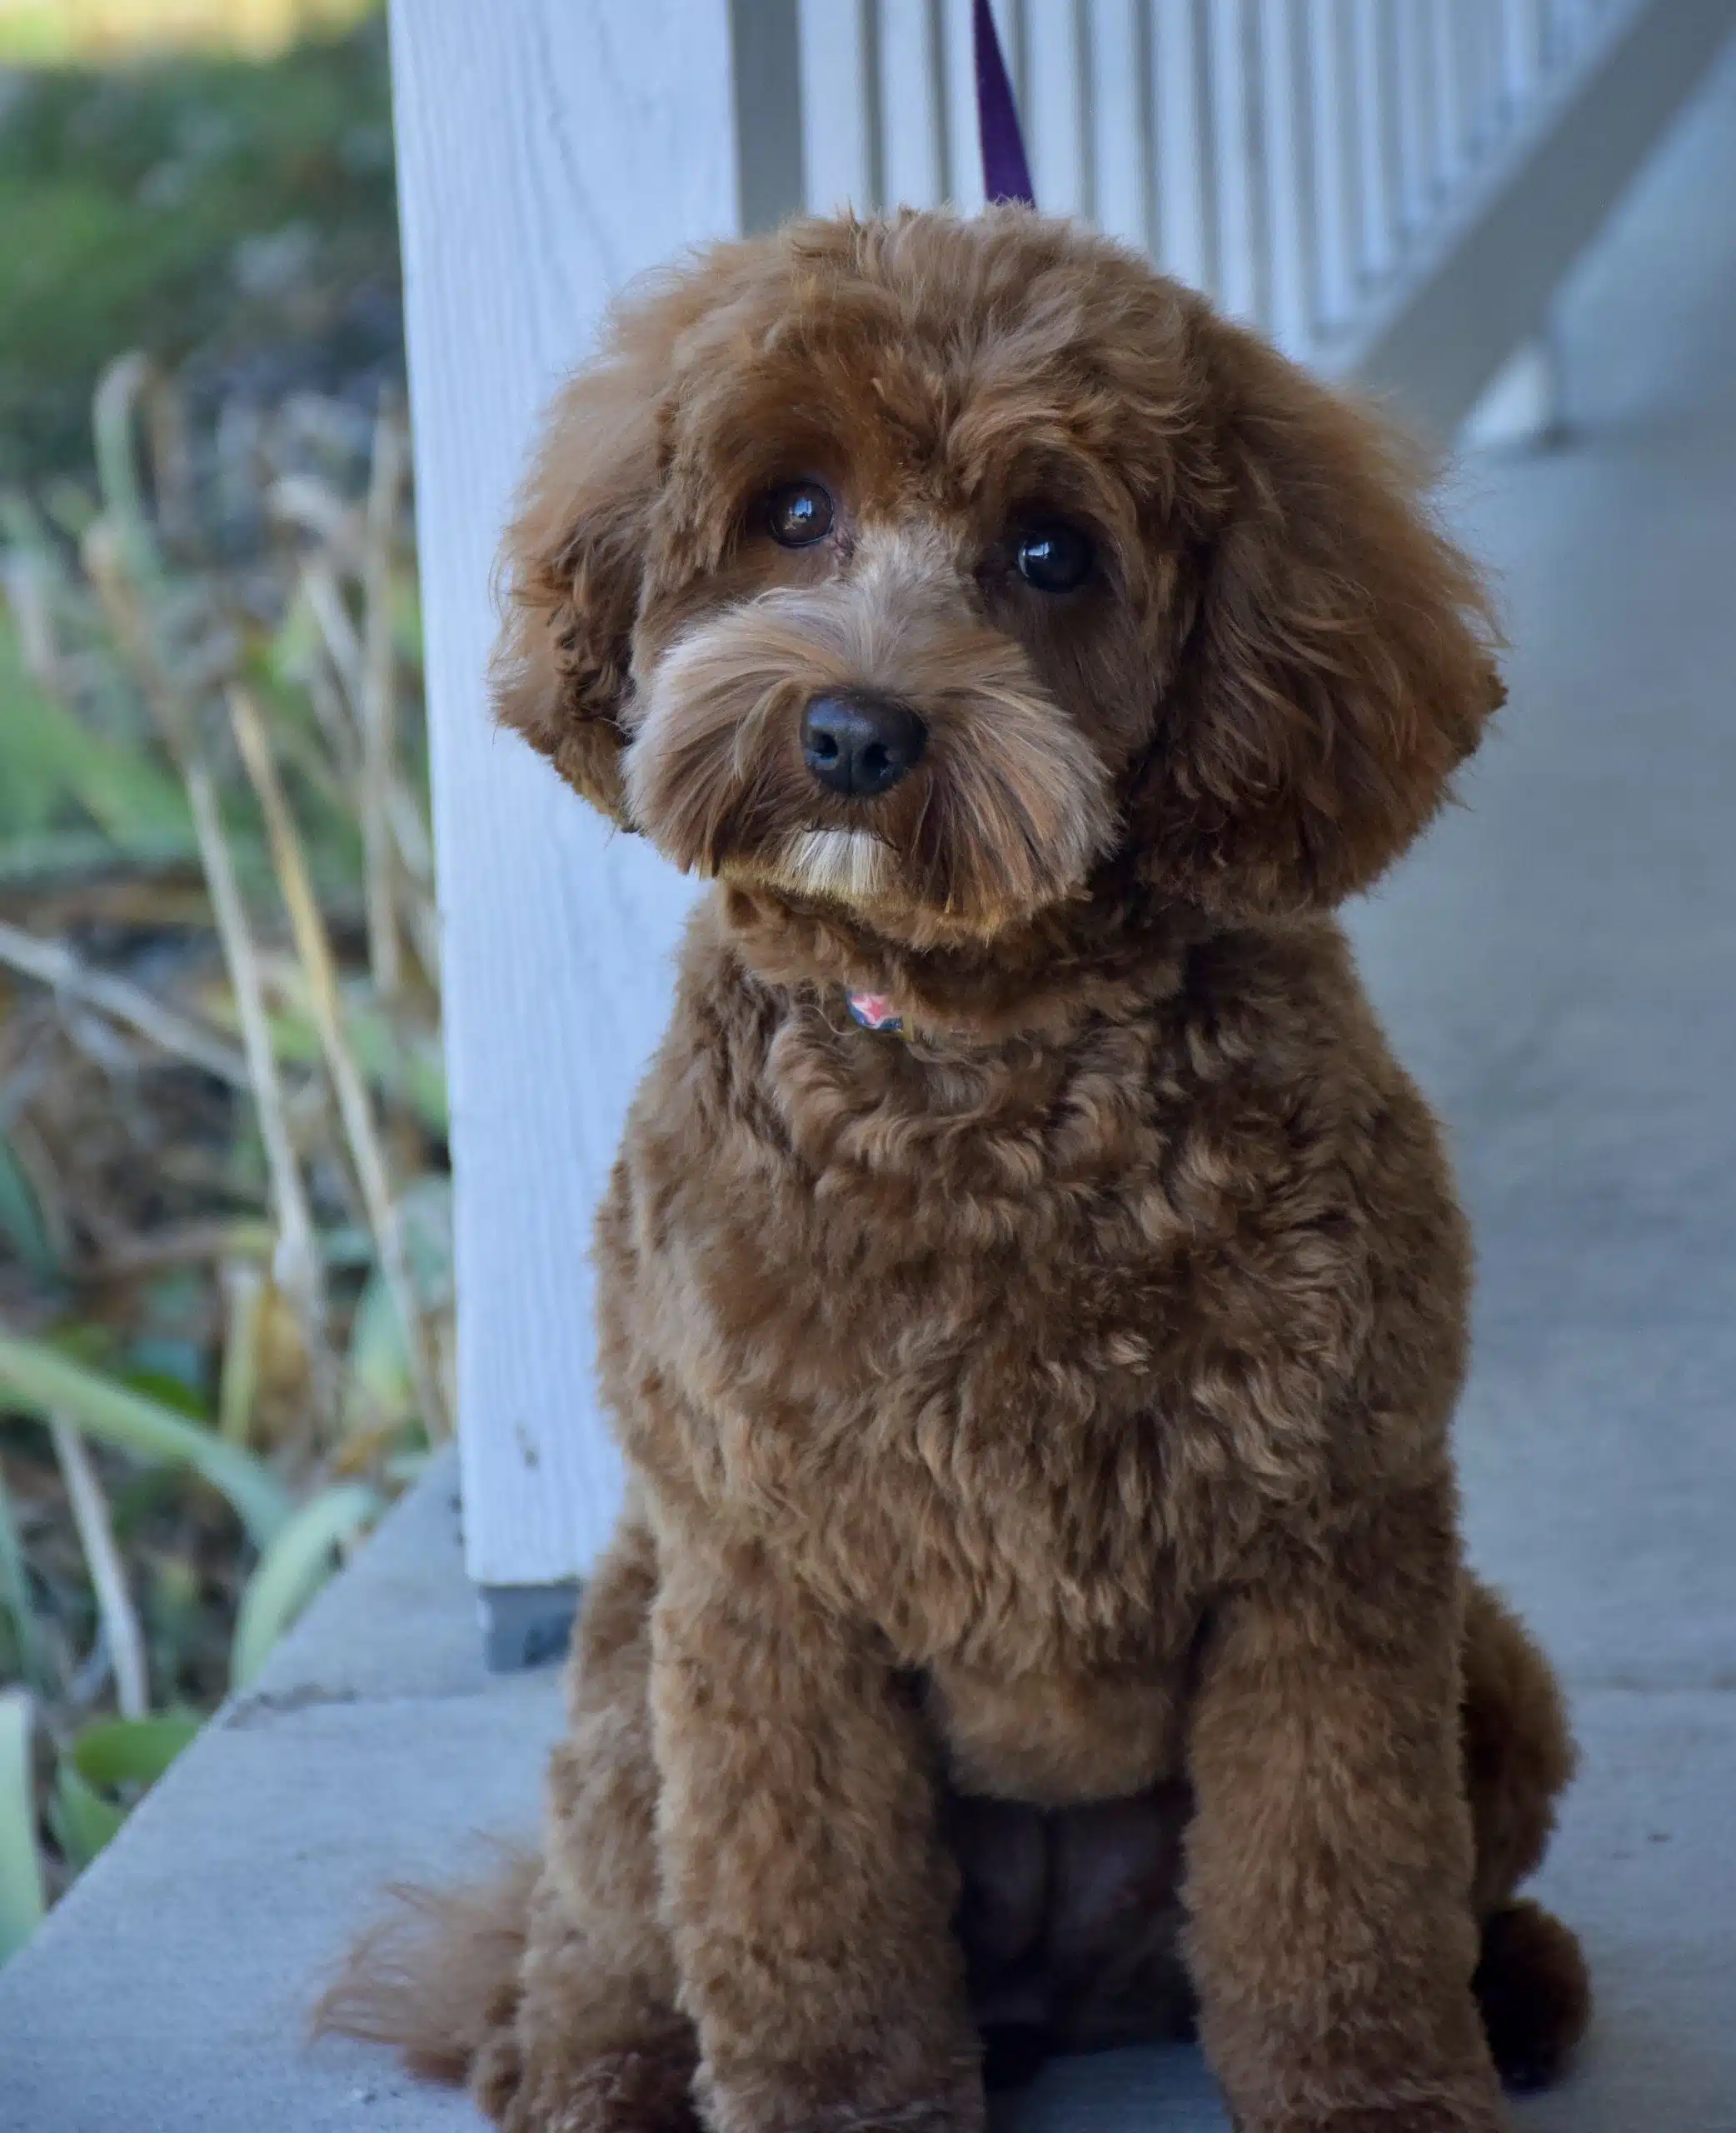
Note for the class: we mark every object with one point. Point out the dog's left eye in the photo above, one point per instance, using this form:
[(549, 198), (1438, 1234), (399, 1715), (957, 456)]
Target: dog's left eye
[(1053, 558), (799, 514)]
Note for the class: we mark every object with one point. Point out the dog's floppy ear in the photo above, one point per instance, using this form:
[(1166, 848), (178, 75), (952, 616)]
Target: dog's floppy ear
[(573, 562), (1340, 663)]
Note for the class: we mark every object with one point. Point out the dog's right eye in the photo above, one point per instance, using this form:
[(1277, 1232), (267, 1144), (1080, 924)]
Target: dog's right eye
[(799, 514)]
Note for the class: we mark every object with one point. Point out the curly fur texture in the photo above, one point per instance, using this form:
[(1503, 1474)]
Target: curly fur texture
[(1038, 1618)]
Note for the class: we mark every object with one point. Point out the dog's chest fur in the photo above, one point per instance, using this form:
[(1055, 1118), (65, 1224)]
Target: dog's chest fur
[(1018, 1353)]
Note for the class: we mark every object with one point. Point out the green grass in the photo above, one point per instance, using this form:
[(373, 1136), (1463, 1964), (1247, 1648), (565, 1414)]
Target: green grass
[(226, 211)]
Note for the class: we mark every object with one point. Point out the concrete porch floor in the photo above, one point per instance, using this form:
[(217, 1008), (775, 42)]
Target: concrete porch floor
[(1559, 966)]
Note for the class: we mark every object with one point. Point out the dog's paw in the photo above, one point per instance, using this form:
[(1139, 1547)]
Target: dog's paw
[(619, 2092)]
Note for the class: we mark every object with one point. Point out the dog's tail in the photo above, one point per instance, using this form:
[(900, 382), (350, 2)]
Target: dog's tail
[(1535, 1996), (437, 1975)]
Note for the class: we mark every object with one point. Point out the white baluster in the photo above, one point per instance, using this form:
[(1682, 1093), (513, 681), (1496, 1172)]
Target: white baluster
[(1417, 120), (841, 122), (1184, 173), (1287, 138), (1054, 106), (910, 103), (1374, 77), (958, 104), (1118, 112), (1337, 243), (1235, 150), (1521, 51)]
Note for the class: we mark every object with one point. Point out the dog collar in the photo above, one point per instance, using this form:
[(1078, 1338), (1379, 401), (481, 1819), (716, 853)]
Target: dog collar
[(874, 1011)]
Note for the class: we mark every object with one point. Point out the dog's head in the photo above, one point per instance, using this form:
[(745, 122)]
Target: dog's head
[(937, 569)]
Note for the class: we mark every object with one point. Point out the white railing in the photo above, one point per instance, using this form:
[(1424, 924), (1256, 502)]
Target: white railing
[(1288, 159), (1392, 188), (1306, 162)]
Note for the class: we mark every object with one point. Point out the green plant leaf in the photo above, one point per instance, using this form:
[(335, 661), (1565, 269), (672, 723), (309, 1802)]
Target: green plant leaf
[(21, 1218), (378, 1394), (41, 1379), (82, 1819), (73, 856), (15, 1595), (51, 759), (21, 1867), (292, 1570), (107, 1756), (114, 1752)]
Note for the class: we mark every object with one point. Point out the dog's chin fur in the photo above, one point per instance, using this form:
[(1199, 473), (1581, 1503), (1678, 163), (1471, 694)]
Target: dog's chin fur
[(1003, 816), (846, 867)]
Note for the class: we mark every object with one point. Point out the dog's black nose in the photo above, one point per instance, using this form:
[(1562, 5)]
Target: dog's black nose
[(861, 745)]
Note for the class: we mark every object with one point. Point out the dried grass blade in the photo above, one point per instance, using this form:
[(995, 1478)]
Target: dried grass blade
[(297, 1263), (343, 647), (378, 703), (317, 508), (115, 1611), (320, 969), (299, 1271), (244, 1298), (53, 964), (416, 864), (113, 424)]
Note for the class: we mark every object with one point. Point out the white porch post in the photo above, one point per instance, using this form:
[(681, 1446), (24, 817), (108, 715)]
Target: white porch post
[(548, 151)]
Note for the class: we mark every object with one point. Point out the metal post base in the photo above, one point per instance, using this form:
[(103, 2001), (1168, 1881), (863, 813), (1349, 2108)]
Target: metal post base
[(524, 1624)]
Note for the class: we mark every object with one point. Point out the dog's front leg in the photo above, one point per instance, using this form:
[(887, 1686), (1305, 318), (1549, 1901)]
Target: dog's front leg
[(1328, 1869), (808, 1894)]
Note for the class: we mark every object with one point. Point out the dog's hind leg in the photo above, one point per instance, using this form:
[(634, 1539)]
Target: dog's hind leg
[(596, 2044), (1531, 1981), (550, 1989)]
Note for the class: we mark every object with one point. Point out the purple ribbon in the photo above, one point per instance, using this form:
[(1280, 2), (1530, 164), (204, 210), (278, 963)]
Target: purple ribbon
[(1005, 174)]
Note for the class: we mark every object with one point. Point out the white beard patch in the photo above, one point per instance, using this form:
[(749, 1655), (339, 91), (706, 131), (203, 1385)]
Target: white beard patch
[(849, 866)]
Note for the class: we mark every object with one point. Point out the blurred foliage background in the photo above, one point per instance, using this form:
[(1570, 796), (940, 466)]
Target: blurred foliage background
[(225, 1277), (235, 218)]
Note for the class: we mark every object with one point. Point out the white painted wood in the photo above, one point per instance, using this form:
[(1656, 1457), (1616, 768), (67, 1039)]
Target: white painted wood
[(1522, 52), (1369, 46), (911, 105), (1181, 116), (1052, 106), (1241, 287), (1449, 126), (839, 120), (1011, 20), (1481, 284), (1121, 147), (1419, 166), (1492, 71), (1333, 205), (548, 152), (1520, 409), (964, 147), (1288, 178)]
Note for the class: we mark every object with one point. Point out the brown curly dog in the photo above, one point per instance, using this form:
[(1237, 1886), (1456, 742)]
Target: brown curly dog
[(1038, 1618)]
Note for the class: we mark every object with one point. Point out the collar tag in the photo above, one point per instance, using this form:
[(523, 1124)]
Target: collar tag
[(874, 1011)]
